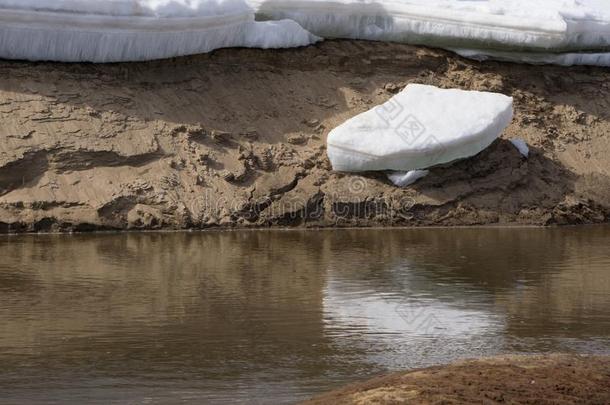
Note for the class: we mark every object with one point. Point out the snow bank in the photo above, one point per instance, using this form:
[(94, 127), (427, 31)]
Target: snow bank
[(505, 25), (132, 30), (135, 30), (420, 127)]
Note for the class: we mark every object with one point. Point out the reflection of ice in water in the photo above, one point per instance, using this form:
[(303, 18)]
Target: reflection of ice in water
[(392, 314), (395, 330)]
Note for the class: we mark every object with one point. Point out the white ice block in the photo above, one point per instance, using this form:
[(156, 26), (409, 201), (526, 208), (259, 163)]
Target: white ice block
[(420, 127)]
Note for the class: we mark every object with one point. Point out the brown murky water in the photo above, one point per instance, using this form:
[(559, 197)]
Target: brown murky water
[(277, 316)]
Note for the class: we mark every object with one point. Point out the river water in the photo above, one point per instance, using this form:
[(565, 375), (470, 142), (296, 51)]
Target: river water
[(279, 316)]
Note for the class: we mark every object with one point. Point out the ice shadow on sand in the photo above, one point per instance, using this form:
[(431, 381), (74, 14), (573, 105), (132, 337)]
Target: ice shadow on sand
[(497, 185)]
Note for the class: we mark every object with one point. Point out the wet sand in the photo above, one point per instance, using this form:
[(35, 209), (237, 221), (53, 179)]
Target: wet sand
[(236, 138), (552, 379)]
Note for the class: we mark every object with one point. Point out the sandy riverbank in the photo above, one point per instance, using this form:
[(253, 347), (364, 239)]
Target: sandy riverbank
[(555, 379), (236, 139)]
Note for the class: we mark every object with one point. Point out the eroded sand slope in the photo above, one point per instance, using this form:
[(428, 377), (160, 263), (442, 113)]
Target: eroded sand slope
[(236, 138)]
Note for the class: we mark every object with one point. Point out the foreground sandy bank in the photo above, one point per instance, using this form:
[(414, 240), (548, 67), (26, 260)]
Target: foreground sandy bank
[(554, 379), (236, 138)]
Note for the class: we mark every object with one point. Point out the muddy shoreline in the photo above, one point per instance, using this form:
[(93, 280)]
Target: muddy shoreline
[(549, 379), (236, 139)]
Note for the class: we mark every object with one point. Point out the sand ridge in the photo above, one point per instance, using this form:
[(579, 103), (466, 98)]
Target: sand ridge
[(236, 138)]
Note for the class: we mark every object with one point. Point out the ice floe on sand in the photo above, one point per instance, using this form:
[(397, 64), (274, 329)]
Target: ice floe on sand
[(502, 29), (135, 30), (421, 127), (543, 24), (546, 31)]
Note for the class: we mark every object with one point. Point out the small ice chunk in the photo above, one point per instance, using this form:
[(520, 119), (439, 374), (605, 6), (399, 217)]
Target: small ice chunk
[(420, 127), (405, 179), (521, 146)]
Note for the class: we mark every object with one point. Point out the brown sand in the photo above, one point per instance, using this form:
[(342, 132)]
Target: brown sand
[(236, 138), (556, 379)]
